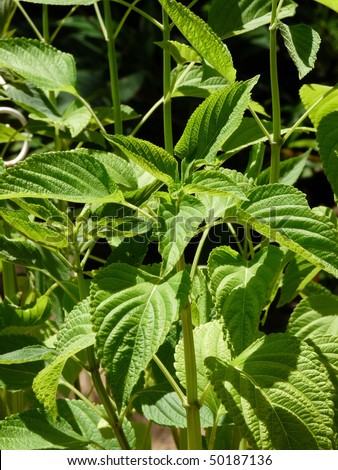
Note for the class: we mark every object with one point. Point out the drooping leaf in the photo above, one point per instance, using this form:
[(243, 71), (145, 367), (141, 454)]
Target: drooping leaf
[(313, 93), (181, 53), (278, 393), (235, 17), (247, 133), (162, 406), (18, 376), (40, 233), (242, 290), (298, 273), (32, 315), (214, 182), (327, 137), (20, 252), (179, 221), (75, 335), (202, 38), (39, 63), (77, 428), (281, 213), (198, 81), (208, 341), (132, 313), (75, 176), (302, 43), (27, 354), (214, 121), (314, 316), (152, 158)]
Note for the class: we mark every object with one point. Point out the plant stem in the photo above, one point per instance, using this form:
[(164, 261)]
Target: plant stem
[(141, 12), (62, 22), (9, 279), (276, 113), (170, 379), (113, 71), (125, 16), (167, 121), (194, 265), (45, 23), (29, 20), (192, 407)]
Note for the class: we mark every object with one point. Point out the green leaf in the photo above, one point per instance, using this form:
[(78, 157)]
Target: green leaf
[(278, 393), (39, 63), (27, 354), (242, 289), (157, 161), (76, 118), (20, 252), (298, 273), (235, 17), (40, 233), (214, 121), (181, 53), (327, 137), (163, 407), (311, 94), (289, 170), (302, 43), (281, 213), (9, 134), (179, 221), (330, 4), (75, 176), (202, 38), (18, 376), (247, 134), (31, 315), (75, 335), (198, 81), (314, 316), (215, 182), (78, 427), (201, 301), (132, 313), (119, 169), (209, 341)]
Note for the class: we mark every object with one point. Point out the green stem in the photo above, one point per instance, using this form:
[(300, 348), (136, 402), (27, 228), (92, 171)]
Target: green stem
[(276, 112), (29, 20), (147, 116), (260, 123), (62, 22), (141, 12), (194, 265), (167, 121), (170, 379), (113, 70), (9, 278), (125, 16), (45, 23), (97, 120)]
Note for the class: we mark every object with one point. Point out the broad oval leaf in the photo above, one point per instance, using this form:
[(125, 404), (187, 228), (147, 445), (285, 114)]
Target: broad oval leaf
[(75, 335), (327, 137), (232, 17), (77, 428), (278, 393), (202, 38), (281, 213), (157, 161), (39, 63), (326, 98), (302, 43), (132, 312), (75, 176), (214, 121), (242, 289), (315, 315)]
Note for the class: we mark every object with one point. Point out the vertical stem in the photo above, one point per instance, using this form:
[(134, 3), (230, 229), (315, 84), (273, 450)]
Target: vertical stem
[(9, 279), (168, 135), (192, 406), (113, 71), (276, 113), (45, 23)]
